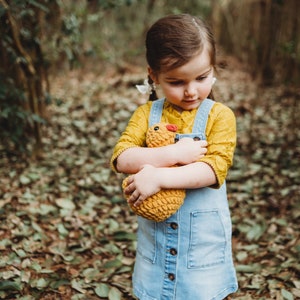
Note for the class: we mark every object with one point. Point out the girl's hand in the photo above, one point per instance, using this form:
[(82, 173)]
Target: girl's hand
[(188, 151), (142, 185)]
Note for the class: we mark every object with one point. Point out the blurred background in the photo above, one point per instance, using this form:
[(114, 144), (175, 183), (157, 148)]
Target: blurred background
[(40, 38), (68, 71)]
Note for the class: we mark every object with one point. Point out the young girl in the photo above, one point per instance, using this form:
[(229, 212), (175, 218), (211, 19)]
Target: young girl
[(188, 256)]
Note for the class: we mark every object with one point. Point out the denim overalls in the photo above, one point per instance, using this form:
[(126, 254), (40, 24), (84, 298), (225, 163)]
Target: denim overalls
[(188, 256)]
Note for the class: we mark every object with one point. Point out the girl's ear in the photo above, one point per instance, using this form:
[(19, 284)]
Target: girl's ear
[(153, 76)]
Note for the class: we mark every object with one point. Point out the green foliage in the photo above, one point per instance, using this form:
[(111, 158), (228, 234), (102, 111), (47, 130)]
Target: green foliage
[(13, 118), (102, 30), (113, 4), (113, 31), (194, 7), (71, 40)]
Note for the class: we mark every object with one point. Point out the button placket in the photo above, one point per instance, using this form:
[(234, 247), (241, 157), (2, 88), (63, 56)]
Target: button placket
[(171, 257)]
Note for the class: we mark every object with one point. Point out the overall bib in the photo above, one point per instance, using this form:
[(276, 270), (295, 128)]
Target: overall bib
[(188, 256)]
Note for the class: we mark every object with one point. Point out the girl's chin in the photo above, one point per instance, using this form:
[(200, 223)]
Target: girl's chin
[(186, 105)]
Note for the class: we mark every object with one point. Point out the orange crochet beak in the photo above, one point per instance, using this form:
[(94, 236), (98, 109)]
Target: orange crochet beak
[(171, 127)]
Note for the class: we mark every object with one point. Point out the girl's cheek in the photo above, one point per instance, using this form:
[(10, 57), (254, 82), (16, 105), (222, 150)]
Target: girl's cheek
[(172, 93), (176, 97), (206, 90)]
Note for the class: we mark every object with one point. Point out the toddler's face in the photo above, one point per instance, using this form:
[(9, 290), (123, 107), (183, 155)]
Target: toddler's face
[(187, 86)]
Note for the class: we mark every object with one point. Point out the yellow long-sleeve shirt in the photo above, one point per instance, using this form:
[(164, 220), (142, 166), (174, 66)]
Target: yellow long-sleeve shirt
[(220, 134)]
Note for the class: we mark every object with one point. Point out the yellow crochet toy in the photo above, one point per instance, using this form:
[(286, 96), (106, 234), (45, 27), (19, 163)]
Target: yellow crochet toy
[(165, 203)]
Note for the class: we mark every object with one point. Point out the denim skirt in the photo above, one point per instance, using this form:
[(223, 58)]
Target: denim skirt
[(189, 255)]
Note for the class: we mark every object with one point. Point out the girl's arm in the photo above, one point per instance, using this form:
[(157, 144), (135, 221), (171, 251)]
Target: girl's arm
[(131, 153), (151, 180), (183, 152)]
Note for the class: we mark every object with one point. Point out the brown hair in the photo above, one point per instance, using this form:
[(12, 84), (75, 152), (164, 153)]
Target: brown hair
[(174, 40)]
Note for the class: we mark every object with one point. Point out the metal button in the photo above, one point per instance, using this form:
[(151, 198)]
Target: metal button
[(173, 251), (196, 138), (171, 276), (174, 225)]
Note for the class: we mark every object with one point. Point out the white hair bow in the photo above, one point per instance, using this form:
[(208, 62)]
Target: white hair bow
[(145, 88)]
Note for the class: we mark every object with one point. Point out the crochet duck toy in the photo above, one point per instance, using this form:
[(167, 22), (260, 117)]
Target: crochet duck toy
[(165, 203)]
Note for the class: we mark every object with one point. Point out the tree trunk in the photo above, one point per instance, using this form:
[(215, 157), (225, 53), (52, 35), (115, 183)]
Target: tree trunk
[(263, 33), (27, 69)]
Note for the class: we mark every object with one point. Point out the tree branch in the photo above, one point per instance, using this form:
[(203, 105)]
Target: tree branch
[(29, 67)]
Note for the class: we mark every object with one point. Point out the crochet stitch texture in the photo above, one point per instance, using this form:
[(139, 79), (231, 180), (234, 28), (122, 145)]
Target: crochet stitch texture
[(165, 203)]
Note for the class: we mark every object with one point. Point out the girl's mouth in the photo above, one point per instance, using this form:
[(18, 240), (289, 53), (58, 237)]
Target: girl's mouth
[(190, 101)]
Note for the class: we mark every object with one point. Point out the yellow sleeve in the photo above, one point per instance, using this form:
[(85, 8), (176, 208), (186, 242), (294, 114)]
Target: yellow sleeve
[(134, 134), (221, 138)]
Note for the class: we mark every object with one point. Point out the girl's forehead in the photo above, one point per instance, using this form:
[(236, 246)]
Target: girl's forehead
[(200, 64)]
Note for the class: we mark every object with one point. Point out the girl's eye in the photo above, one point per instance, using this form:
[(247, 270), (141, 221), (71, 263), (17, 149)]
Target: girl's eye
[(201, 78), (176, 83)]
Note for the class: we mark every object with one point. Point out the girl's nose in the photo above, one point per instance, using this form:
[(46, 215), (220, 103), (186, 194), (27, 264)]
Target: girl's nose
[(190, 91)]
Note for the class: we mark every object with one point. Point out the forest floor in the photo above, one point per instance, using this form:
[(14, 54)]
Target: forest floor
[(66, 231)]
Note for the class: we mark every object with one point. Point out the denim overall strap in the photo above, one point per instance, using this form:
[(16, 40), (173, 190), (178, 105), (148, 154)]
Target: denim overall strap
[(199, 126), (202, 115), (156, 111)]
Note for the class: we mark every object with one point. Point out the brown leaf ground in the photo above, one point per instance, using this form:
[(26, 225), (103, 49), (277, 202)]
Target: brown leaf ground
[(67, 233)]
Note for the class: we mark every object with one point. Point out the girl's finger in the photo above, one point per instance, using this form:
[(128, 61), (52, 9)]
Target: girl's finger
[(134, 196), (130, 180), (130, 188), (138, 201)]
